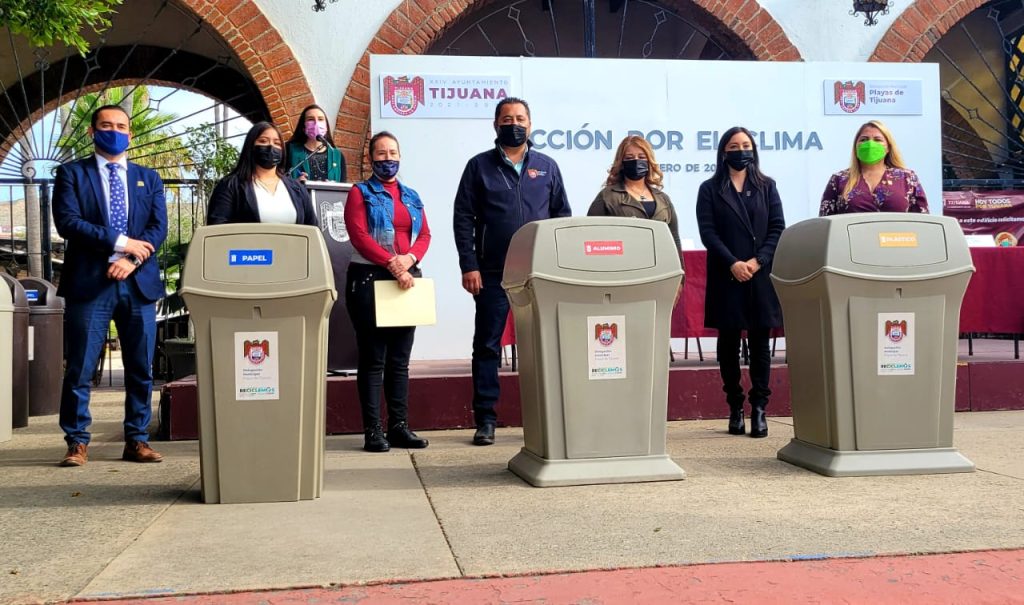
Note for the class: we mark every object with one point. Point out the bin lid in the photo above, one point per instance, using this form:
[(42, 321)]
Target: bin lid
[(592, 250), (257, 260), (41, 295), (17, 293), (882, 246)]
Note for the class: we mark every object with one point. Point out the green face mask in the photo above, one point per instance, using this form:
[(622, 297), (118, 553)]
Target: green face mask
[(871, 152)]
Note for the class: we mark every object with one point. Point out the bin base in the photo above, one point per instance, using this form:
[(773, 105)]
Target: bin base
[(836, 463), (541, 472)]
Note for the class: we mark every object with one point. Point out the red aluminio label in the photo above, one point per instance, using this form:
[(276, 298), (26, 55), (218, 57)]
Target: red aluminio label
[(603, 248)]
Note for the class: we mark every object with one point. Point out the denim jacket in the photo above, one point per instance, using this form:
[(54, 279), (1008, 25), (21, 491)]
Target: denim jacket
[(380, 212)]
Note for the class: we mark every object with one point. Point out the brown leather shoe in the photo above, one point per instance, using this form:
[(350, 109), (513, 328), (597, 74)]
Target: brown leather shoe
[(139, 451), (77, 455)]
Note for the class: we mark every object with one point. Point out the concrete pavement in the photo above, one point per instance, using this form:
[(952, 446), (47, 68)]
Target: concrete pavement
[(116, 529)]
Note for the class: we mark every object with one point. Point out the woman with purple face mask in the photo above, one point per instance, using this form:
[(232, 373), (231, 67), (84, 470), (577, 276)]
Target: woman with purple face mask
[(312, 154)]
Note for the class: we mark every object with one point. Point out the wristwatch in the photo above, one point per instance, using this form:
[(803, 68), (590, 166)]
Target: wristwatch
[(134, 260)]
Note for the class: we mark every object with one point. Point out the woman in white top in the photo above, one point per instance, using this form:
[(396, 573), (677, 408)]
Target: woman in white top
[(258, 190)]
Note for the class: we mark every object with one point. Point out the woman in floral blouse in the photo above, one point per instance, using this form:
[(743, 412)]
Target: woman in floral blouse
[(876, 181)]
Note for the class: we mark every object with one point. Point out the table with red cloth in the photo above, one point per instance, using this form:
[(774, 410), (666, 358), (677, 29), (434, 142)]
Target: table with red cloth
[(992, 304)]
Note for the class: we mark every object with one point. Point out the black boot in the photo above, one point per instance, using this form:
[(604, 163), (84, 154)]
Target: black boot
[(736, 421), (374, 440), (400, 436), (758, 422)]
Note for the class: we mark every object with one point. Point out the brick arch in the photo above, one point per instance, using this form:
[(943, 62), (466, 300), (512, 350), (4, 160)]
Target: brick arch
[(265, 55), (920, 27), (416, 24)]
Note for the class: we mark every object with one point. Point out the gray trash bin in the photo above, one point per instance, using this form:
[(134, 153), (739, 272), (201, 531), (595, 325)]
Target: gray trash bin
[(22, 353), (592, 299), (6, 361), (46, 323), (260, 295), (872, 305)]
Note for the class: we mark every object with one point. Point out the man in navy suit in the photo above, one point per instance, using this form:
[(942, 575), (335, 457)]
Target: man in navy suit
[(112, 216)]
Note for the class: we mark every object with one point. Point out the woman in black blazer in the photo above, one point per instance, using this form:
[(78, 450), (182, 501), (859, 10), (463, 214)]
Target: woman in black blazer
[(258, 190), (739, 215)]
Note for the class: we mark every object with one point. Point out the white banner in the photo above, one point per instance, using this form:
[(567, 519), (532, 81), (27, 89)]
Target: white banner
[(582, 108)]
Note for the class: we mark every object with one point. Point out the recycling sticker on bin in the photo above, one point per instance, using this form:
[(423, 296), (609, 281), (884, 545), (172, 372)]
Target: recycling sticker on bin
[(896, 332), (256, 368), (606, 349)]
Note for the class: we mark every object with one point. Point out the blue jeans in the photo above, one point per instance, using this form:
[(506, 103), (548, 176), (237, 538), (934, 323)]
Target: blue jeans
[(85, 329), (491, 314)]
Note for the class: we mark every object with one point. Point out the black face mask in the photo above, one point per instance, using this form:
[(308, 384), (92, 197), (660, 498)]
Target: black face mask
[(511, 135), (267, 156), (739, 159), (635, 170)]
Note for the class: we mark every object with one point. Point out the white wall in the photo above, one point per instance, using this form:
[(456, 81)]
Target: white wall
[(328, 45), (824, 30)]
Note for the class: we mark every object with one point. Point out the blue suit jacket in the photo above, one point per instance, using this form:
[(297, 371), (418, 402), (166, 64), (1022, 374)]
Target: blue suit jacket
[(80, 213)]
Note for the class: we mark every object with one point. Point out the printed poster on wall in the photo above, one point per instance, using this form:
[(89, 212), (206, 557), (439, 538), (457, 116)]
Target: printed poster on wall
[(256, 372), (896, 333), (606, 349), (999, 214)]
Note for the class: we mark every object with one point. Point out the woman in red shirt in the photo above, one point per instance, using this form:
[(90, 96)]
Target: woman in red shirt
[(388, 229)]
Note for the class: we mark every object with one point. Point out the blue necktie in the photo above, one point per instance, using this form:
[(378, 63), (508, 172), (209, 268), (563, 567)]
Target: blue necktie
[(118, 205)]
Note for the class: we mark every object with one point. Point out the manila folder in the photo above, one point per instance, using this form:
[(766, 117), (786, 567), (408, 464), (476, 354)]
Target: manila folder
[(396, 307)]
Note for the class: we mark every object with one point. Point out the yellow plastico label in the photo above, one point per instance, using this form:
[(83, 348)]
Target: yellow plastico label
[(897, 239)]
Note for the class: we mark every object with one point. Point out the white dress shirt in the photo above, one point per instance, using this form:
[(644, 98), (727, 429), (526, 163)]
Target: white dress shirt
[(275, 207), (122, 172)]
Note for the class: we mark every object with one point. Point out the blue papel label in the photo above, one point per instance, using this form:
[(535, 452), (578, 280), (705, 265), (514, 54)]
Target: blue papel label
[(250, 257), (32, 295)]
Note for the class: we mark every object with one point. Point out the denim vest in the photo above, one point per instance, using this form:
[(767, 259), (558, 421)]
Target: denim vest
[(380, 212)]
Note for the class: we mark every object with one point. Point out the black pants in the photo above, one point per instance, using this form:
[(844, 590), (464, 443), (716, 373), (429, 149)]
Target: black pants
[(383, 352), (760, 366)]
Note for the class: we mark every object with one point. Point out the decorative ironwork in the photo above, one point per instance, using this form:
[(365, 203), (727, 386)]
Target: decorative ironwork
[(320, 6), (981, 62), (871, 10), (585, 28), (46, 96)]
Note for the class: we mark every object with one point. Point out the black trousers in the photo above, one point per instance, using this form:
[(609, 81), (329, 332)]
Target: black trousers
[(383, 352), (760, 366)]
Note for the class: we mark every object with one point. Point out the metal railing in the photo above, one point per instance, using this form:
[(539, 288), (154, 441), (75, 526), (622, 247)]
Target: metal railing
[(25, 204)]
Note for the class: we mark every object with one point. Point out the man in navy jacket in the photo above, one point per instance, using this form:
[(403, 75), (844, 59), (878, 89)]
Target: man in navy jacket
[(501, 190), (112, 216)]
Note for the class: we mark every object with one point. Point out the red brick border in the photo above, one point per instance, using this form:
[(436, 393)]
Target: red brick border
[(266, 57), (920, 27), (415, 24)]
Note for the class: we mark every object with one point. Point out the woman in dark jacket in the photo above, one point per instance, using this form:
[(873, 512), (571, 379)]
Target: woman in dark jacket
[(634, 187), (257, 190), (739, 215)]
